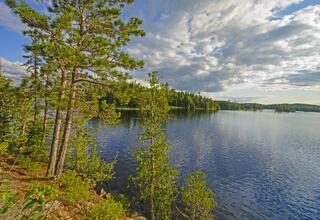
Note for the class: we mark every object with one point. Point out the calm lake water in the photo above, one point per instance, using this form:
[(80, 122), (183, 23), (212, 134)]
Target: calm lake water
[(260, 165)]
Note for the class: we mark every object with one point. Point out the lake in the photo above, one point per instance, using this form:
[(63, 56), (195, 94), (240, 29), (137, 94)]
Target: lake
[(260, 165)]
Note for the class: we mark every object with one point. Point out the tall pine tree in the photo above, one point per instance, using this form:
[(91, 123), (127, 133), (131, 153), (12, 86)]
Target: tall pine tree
[(156, 178), (85, 41)]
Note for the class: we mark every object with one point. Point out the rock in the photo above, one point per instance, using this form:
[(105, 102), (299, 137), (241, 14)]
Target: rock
[(136, 216), (100, 190)]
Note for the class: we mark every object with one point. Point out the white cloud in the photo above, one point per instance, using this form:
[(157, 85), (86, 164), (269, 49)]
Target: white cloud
[(13, 70), (221, 45), (217, 45), (9, 20)]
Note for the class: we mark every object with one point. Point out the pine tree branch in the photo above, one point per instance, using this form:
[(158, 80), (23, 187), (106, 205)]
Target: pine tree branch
[(91, 81)]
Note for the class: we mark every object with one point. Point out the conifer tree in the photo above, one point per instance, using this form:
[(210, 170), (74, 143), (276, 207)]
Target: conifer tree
[(33, 63), (156, 178), (197, 198), (7, 103), (85, 45)]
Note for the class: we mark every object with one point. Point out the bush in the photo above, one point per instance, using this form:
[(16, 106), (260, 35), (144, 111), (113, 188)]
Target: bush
[(36, 201), (36, 145), (85, 159), (75, 189), (197, 198), (8, 200), (107, 209), (29, 164), (123, 199), (3, 147)]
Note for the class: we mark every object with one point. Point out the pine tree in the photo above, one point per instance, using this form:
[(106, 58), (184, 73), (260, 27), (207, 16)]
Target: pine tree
[(33, 63), (156, 178), (7, 103), (85, 46), (197, 198)]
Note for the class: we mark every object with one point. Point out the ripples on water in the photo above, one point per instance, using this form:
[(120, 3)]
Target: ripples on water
[(261, 165)]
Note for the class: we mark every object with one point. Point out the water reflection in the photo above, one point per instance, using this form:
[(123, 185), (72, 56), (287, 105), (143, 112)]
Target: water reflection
[(261, 165)]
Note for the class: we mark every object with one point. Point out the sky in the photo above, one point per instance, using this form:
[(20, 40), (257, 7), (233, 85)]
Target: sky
[(265, 51)]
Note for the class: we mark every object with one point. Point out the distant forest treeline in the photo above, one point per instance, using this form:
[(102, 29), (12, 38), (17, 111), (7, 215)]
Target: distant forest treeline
[(228, 105), (193, 101), (177, 99), (293, 107)]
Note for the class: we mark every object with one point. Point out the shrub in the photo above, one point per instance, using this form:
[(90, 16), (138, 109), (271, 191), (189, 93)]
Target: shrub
[(75, 189), (36, 145), (123, 199), (85, 159), (29, 164), (8, 199), (197, 198), (107, 209), (36, 200), (3, 147)]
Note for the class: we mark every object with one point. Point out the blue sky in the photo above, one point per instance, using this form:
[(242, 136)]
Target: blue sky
[(265, 51)]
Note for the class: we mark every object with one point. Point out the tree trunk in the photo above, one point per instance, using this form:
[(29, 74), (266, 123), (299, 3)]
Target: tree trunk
[(56, 133), (45, 113), (45, 121), (67, 127), (35, 109), (152, 183), (35, 81), (54, 145)]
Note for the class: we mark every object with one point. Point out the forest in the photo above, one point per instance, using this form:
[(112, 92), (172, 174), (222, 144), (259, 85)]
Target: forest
[(177, 99), (78, 69), (229, 105), (294, 107), (50, 165)]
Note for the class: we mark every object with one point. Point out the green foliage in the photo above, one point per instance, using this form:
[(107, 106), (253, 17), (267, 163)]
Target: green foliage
[(75, 189), (156, 178), (131, 95), (284, 108), (228, 105), (3, 147), (197, 198), (36, 147), (123, 199), (7, 104), (191, 101), (15, 114), (36, 200), (62, 54), (8, 200), (29, 163), (306, 107), (108, 209), (85, 159)]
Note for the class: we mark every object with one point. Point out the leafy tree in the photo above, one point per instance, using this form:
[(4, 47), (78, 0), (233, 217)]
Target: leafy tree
[(197, 198), (156, 178)]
